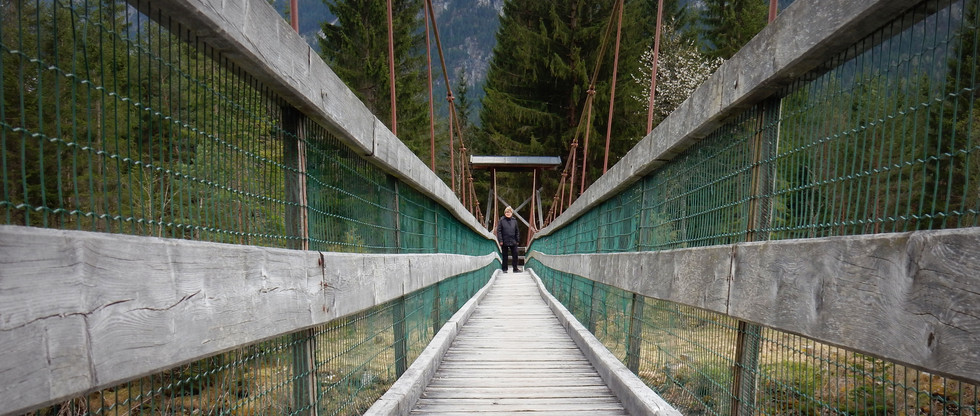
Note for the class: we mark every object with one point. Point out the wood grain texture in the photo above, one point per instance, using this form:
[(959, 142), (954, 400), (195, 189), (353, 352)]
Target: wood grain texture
[(80, 310), (907, 297), (514, 356)]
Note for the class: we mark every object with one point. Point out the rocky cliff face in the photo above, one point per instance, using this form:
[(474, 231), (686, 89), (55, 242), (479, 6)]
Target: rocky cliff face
[(468, 33)]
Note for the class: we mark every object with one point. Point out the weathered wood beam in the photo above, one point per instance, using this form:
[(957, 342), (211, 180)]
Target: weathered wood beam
[(912, 298), (81, 311)]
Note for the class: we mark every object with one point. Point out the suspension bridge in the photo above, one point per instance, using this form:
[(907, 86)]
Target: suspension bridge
[(201, 218)]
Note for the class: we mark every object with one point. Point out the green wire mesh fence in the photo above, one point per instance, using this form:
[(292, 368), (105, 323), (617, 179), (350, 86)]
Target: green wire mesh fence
[(687, 355), (111, 122), (882, 138), (114, 122)]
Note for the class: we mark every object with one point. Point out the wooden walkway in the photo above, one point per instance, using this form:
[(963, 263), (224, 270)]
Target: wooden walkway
[(514, 356)]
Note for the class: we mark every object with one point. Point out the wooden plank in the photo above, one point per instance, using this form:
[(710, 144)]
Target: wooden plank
[(514, 371), (516, 393), (909, 297), (535, 413), (564, 400), (524, 367), (550, 384), (514, 356), (530, 405)]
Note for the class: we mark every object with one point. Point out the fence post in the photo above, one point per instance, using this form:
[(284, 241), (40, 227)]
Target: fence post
[(435, 314), (435, 231), (294, 157), (642, 234), (635, 338), (304, 374), (592, 307), (746, 367), (401, 343), (398, 216), (398, 309), (748, 336), (298, 238)]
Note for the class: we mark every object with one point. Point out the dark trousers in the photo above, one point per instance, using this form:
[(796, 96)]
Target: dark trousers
[(512, 250)]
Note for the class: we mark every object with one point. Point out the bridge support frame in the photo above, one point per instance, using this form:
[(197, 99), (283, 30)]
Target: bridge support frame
[(596, 303), (304, 372), (436, 311), (748, 337), (635, 339), (398, 328), (297, 225), (398, 309), (746, 366)]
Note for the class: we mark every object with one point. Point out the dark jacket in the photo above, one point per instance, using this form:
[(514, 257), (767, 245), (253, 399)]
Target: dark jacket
[(507, 232)]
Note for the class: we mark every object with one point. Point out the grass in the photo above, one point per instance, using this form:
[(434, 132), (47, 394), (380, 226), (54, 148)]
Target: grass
[(691, 367)]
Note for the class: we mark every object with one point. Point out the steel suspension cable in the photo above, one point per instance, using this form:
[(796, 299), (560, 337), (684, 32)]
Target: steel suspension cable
[(452, 149), (294, 14), (432, 111), (595, 75), (452, 114), (391, 71), (585, 119), (467, 188), (588, 130), (559, 199), (449, 91), (653, 73), (612, 89)]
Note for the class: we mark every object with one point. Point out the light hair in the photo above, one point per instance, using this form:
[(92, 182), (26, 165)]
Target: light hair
[(508, 209)]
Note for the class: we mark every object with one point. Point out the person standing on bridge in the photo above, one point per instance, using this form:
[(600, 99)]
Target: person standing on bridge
[(507, 237)]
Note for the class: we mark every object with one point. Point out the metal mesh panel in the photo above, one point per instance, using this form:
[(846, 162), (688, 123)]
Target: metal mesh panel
[(886, 139), (417, 223), (619, 221), (350, 201), (701, 198), (111, 122), (253, 380), (880, 139)]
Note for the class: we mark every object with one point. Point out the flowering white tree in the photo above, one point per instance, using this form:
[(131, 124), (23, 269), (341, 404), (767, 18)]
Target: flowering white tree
[(681, 68)]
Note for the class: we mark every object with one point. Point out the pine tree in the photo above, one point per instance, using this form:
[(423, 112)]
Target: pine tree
[(539, 76), (730, 24), (464, 105), (356, 48)]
